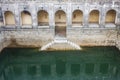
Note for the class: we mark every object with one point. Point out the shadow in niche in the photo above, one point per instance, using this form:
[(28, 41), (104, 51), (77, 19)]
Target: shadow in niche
[(60, 31)]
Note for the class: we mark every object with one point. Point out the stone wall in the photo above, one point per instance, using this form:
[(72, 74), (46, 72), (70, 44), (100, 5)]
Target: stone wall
[(40, 37), (29, 38), (118, 38), (36, 36), (93, 37), (3, 42)]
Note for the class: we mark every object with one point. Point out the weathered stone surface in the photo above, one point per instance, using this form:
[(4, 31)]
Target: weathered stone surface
[(40, 37), (86, 34)]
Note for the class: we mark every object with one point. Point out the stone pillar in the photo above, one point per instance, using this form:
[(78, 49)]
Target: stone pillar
[(118, 22), (3, 18), (118, 18), (34, 16), (102, 17), (86, 16), (51, 16), (17, 16), (69, 16)]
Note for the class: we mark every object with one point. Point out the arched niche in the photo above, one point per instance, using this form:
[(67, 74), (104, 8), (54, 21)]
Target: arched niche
[(26, 19), (43, 18), (110, 18), (77, 18), (94, 17), (9, 18)]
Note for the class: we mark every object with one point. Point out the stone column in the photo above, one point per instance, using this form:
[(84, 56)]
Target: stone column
[(17, 16), (102, 17), (69, 16), (34, 16), (118, 18), (3, 18), (118, 23), (86, 16), (51, 16)]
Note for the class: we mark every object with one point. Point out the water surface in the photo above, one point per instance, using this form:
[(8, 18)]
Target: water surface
[(91, 63)]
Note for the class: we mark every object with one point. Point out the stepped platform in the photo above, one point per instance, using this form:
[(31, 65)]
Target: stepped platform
[(61, 43)]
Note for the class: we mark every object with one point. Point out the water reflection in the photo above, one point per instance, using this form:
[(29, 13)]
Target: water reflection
[(93, 63)]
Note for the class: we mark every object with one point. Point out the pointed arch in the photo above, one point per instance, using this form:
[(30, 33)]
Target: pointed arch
[(9, 18), (77, 18), (26, 18), (94, 17), (43, 18)]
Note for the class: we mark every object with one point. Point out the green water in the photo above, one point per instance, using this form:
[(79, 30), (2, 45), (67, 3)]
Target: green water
[(91, 63)]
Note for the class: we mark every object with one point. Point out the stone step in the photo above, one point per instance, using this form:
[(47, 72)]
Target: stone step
[(61, 44)]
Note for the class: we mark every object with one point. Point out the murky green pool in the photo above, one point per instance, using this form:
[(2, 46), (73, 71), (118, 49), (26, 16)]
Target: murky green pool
[(92, 63)]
